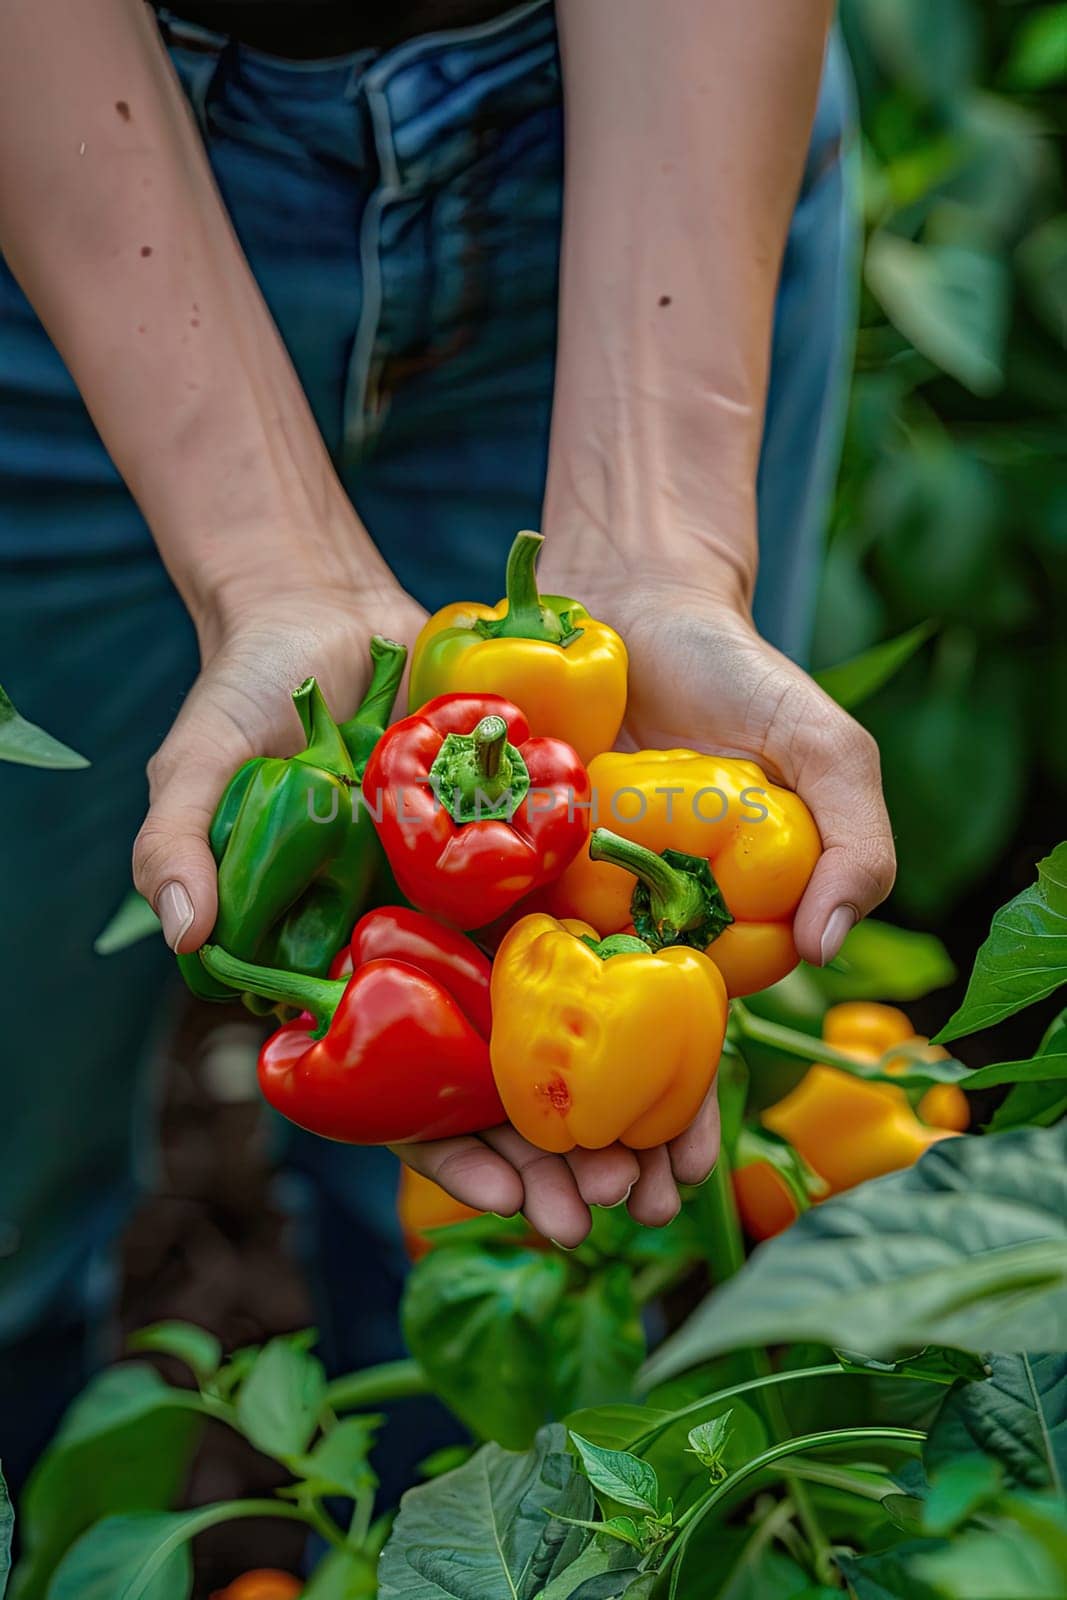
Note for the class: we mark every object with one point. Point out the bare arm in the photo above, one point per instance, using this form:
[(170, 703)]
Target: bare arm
[(687, 124), (110, 219)]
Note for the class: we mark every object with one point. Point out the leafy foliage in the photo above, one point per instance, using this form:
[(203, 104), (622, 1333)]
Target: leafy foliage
[(952, 501)]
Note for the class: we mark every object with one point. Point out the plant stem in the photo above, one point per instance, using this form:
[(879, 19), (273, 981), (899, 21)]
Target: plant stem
[(324, 1525), (866, 1484), (391, 1380), (692, 1518), (791, 1042)]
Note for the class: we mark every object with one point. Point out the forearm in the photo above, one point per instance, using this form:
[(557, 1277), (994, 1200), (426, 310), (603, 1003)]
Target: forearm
[(111, 221), (686, 128)]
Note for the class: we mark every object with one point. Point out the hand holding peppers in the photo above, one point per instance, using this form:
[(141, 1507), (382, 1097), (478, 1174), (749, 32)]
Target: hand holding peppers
[(472, 812), (295, 857)]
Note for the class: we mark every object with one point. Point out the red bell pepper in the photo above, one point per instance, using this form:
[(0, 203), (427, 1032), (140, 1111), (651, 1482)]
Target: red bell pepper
[(473, 813), (396, 1052)]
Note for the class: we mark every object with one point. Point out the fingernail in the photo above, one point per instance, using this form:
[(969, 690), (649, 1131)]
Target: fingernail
[(175, 911), (840, 924)]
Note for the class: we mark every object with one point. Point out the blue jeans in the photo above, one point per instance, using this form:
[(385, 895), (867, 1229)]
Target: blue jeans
[(401, 214)]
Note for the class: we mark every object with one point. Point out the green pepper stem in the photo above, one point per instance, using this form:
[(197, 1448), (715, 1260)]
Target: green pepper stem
[(387, 668), (675, 897), (320, 996), (527, 617), (325, 746), (490, 739), (616, 944)]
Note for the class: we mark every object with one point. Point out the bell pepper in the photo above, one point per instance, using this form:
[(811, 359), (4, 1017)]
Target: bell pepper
[(296, 853), (597, 1040), (545, 652), (421, 1206), (848, 1129), (471, 811), (736, 853), (264, 1583), (869, 1031), (771, 1184), (396, 1052)]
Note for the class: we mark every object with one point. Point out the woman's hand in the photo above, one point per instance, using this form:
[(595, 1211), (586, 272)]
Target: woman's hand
[(255, 651)]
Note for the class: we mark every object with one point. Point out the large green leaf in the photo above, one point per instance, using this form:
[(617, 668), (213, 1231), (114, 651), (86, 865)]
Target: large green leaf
[(125, 1445), (879, 960), (952, 808), (480, 1324), (889, 1574), (486, 1531), (1022, 1555), (1025, 956), (145, 1555), (950, 300), (1037, 1104), (28, 745), (1039, 49), (599, 1340), (968, 1249), (929, 45), (278, 1404), (852, 682), (1018, 1416)]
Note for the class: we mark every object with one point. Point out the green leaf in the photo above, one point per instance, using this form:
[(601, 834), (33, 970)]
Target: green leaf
[(1021, 1556), (1043, 265), (620, 1476), (1039, 50), (852, 682), (880, 961), (889, 1574), (132, 1557), (7, 1522), (343, 1575), (741, 1564), (930, 48), (480, 1323), (338, 1464), (599, 1340), (28, 745), (708, 1441), (124, 1445), (279, 1402), (950, 300), (1038, 1104), (597, 1575), (934, 1364), (200, 1350), (968, 1248), (958, 1490), (490, 1530), (145, 1555), (1024, 959), (133, 921), (1018, 1417)]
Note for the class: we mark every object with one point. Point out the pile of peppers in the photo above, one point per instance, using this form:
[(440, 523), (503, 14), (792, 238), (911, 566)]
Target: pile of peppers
[(482, 912)]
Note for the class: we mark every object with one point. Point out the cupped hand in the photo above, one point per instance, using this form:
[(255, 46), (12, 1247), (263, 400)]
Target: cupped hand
[(241, 706)]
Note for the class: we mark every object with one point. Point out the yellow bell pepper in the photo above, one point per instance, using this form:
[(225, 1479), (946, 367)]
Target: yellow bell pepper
[(869, 1031), (848, 1129), (596, 1040), (758, 840), (560, 666)]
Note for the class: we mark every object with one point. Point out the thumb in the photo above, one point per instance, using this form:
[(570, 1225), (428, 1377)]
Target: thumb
[(173, 866), (841, 784)]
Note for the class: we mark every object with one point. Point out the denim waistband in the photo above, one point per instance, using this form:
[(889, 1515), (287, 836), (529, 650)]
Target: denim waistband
[(430, 101)]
